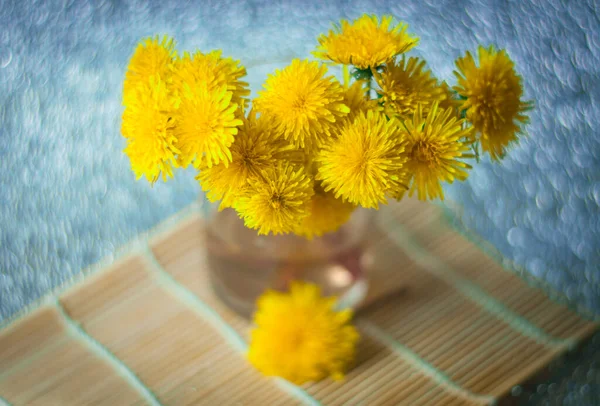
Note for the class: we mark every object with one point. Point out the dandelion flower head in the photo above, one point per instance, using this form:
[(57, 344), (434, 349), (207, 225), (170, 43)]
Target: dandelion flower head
[(437, 143), (256, 147), (302, 102), (405, 84), (366, 42), (152, 57), (327, 214), (299, 336), (277, 200), (213, 70), (148, 127), (492, 93), (362, 163), (448, 100), (207, 122), (356, 100)]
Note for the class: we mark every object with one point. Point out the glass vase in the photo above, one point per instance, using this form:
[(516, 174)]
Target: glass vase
[(243, 265)]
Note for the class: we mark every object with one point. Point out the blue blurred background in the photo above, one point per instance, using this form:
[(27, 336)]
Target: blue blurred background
[(68, 198)]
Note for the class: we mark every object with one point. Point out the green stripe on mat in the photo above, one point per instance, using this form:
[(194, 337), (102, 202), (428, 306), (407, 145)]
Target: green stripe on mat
[(181, 293), (209, 314), (103, 353), (4, 402), (422, 366), (449, 212), (132, 245), (469, 289)]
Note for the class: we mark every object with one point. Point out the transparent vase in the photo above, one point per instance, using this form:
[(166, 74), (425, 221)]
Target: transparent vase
[(243, 265)]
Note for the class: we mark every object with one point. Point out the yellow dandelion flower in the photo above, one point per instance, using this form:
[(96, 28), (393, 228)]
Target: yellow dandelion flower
[(493, 102), (327, 214), (152, 57), (403, 180), (148, 127), (436, 143), (207, 121), (449, 100), (302, 102), (366, 42), (356, 100), (363, 162), (214, 71), (277, 200), (255, 148), (299, 336), (406, 84), (399, 191)]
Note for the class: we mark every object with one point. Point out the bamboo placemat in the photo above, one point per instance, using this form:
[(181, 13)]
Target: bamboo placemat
[(149, 330)]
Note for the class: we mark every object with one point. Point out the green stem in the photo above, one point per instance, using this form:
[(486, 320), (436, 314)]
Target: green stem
[(476, 150), (366, 75)]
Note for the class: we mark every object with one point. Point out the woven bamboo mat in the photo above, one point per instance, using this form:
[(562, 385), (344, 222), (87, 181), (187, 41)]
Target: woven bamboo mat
[(149, 330)]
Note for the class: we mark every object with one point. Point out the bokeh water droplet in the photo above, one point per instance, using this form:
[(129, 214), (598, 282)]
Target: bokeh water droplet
[(5, 56), (516, 237), (595, 189), (537, 267)]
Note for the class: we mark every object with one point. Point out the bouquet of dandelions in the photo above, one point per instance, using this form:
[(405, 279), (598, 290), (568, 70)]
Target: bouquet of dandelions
[(310, 150)]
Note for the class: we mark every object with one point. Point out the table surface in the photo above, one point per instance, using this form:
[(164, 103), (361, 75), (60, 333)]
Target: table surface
[(443, 324)]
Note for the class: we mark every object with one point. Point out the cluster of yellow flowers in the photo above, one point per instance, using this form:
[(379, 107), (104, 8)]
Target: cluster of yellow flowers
[(311, 149)]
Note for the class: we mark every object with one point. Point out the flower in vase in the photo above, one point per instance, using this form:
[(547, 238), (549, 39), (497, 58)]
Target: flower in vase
[(436, 144), (152, 57), (312, 149), (362, 163), (207, 121), (213, 70), (327, 214), (148, 126), (302, 102), (366, 42), (405, 84), (449, 100), (211, 100), (276, 200), (356, 100), (256, 148), (492, 95), (299, 336)]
